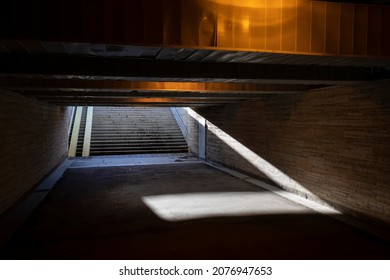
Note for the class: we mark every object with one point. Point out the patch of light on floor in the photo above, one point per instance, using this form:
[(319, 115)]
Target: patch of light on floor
[(189, 206)]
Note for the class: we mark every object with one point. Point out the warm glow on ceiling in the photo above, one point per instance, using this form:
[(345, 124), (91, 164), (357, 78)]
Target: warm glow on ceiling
[(245, 23), (258, 4)]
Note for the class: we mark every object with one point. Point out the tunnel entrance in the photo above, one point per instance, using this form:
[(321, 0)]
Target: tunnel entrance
[(98, 131)]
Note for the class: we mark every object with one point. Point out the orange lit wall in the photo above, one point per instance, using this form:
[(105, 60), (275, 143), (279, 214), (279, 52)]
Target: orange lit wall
[(286, 26)]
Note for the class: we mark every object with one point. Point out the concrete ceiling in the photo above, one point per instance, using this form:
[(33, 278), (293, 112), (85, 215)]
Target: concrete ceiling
[(98, 74), (188, 52)]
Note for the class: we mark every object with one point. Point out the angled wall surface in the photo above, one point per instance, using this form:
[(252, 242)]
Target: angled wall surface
[(331, 145), (34, 137)]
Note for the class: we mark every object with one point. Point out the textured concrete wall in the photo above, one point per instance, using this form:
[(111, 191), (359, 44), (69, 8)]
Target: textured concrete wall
[(181, 116), (193, 120), (33, 141), (331, 145)]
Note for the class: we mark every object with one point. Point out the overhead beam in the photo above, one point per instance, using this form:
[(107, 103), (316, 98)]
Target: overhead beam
[(152, 94), (145, 104), (46, 84), (184, 71), (88, 101)]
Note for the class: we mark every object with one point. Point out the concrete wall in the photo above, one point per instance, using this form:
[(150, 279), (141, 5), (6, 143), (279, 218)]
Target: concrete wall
[(190, 124), (181, 116), (33, 139), (331, 145)]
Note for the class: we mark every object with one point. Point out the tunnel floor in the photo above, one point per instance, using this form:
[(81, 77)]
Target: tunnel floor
[(184, 209)]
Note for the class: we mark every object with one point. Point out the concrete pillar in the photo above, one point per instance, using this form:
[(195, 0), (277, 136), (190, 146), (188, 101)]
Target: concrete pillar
[(202, 137)]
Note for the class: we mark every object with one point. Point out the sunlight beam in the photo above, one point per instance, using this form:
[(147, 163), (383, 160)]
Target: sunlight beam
[(265, 167), (189, 206)]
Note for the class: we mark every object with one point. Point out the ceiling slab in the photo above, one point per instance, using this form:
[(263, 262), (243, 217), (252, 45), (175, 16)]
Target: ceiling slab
[(184, 71), (66, 73)]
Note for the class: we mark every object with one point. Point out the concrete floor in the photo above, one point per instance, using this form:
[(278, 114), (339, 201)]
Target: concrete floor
[(177, 208)]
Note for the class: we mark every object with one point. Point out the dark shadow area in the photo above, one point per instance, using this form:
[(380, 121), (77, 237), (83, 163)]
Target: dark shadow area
[(99, 213)]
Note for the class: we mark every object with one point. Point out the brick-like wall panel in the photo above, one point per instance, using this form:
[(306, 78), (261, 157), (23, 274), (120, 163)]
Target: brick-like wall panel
[(334, 142), (33, 141), (193, 134)]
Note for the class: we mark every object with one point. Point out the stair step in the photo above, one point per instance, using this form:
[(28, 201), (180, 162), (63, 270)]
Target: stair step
[(140, 130), (138, 133), (137, 148), (102, 142), (138, 145), (112, 152)]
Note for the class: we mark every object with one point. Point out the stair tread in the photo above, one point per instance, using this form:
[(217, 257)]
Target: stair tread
[(129, 130)]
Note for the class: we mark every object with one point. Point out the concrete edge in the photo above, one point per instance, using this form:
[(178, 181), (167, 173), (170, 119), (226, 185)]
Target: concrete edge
[(180, 123), (135, 161), (322, 209)]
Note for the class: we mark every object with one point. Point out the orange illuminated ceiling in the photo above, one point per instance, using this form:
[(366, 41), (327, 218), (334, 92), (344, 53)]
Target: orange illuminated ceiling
[(195, 52), (282, 26)]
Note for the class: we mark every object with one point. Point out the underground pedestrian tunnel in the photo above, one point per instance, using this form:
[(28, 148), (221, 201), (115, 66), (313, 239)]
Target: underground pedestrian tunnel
[(195, 130)]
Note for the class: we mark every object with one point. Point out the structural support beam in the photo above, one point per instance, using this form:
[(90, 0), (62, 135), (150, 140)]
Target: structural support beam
[(54, 91), (144, 104), (185, 71), (56, 95), (75, 133), (44, 84), (202, 137), (87, 133)]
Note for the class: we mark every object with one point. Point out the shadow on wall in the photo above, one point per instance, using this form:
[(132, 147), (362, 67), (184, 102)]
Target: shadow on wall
[(330, 145)]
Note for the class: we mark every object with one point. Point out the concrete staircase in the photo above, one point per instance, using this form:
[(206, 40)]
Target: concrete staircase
[(133, 130)]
